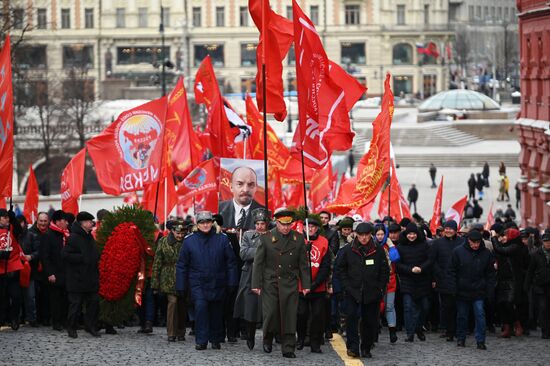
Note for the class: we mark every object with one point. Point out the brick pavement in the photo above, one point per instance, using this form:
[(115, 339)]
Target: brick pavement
[(43, 346)]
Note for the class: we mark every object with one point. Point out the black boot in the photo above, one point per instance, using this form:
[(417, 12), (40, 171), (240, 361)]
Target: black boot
[(393, 335), (250, 335)]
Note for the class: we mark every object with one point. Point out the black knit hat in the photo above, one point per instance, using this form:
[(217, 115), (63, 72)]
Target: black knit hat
[(58, 215), (411, 228)]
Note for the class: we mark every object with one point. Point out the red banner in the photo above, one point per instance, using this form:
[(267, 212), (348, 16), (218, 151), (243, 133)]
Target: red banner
[(72, 181), (30, 211), (127, 154), (6, 121), (275, 40), (321, 188), (457, 210), (398, 205), (435, 222), (202, 179)]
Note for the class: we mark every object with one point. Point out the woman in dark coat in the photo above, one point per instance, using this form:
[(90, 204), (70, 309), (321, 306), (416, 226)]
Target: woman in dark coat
[(414, 271)]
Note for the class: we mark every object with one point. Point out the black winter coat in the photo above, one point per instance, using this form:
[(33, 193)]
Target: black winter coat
[(81, 258), (51, 244), (512, 262), (441, 252), (31, 246), (363, 276), (414, 254), (472, 273), (538, 273), (332, 238)]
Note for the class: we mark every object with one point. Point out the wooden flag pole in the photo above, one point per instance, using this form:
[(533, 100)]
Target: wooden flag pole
[(264, 91)]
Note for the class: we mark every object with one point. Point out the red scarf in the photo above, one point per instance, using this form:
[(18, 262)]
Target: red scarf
[(65, 232)]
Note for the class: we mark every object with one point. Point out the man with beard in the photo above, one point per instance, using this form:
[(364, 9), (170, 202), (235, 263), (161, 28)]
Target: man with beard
[(279, 263), (236, 212), (247, 304), (51, 245)]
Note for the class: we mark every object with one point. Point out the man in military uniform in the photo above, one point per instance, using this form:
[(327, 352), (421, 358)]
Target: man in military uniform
[(247, 304), (163, 279), (279, 263)]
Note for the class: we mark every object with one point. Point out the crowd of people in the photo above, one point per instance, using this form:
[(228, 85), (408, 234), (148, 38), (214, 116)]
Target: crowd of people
[(347, 276)]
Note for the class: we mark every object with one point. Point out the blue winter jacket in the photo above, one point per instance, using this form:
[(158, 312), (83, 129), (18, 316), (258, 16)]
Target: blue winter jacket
[(207, 266)]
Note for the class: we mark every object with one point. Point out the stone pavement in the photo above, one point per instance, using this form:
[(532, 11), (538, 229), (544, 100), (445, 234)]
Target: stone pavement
[(43, 346)]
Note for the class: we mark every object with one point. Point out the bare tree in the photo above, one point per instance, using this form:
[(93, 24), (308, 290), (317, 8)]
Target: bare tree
[(462, 47)]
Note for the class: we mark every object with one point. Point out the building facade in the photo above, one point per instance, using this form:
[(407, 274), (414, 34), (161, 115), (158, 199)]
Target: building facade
[(534, 122)]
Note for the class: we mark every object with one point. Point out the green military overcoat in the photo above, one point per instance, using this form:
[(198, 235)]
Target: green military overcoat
[(163, 277), (278, 264)]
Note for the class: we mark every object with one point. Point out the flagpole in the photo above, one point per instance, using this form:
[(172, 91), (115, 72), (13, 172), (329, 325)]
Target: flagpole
[(389, 193), (264, 92), (165, 198), (80, 203)]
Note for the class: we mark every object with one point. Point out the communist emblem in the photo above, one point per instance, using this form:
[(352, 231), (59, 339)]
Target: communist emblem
[(195, 179), (138, 135)]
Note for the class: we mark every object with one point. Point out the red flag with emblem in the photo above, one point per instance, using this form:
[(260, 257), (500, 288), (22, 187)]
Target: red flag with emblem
[(324, 123), (30, 211), (321, 188), (204, 178), (6, 121), (165, 185), (374, 167), (181, 142), (127, 154), (72, 181), (435, 222), (275, 40)]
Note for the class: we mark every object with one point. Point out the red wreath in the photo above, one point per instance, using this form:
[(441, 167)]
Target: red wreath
[(120, 262)]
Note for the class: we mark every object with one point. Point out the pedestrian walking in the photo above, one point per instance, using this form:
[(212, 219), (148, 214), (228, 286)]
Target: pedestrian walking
[(480, 183), (81, 259), (472, 275), (501, 169), (351, 162), (518, 195), (279, 263), (485, 174), (506, 187), (206, 268), (472, 187), (412, 196), (433, 171), (364, 272)]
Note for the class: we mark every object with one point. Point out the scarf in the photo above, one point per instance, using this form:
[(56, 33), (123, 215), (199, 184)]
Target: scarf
[(65, 232)]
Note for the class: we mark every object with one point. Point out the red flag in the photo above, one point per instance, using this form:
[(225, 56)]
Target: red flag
[(6, 121), (374, 167), (294, 195), (293, 172), (399, 207), (165, 185), (207, 92), (320, 191), (30, 211), (277, 153), (2, 202), (204, 178), (324, 123), (345, 195), (435, 222), (72, 180), (207, 201), (182, 143), (276, 198), (490, 218), (275, 40), (127, 154), (457, 210)]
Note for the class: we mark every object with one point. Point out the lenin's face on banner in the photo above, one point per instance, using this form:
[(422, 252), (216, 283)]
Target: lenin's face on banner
[(244, 185)]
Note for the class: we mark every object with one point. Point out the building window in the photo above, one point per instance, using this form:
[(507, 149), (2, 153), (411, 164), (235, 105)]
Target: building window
[(248, 85), (142, 17), (31, 93), (31, 57), (478, 12), (81, 89), (485, 12), (402, 54), (166, 16), (220, 16), (65, 18), (499, 13), (142, 54), (353, 53), (400, 14), (512, 14), (453, 12), (243, 16), (493, 12), (314, 14), (18, 18), (78, 56), (89, 18), (214, 50), (506, 14), (289, 13), (120, 17), (248, 54), (426, 14), (471, 14), (41, 18), (196, 16), (402, 84), (352, 14)]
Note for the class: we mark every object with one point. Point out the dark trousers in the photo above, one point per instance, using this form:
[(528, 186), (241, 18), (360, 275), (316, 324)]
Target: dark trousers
[(448, 313), (411, 204), (58, 305), (231, 324), (415, 310), (146, 311), (90, 300), (10, 296), (328, 311), (311, 309), (208, 321), (42, 301), (463, 308), (545, 311), (367, 326)]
